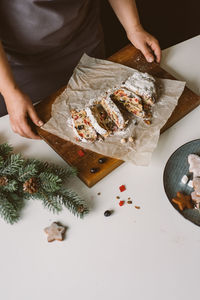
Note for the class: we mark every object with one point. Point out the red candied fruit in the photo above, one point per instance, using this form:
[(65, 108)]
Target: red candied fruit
[(122, 188), (121, 203), (81, 153)]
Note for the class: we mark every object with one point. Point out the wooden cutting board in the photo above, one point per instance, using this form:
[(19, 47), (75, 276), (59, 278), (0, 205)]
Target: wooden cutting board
[(130, 57)]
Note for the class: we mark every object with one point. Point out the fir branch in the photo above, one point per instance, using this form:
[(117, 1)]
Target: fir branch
[(50, 201), (1, 161), (63, 173), (49, 182), (11, 186), (59, 171), (24, 179), (12, 164), (5, 149), (17, 200), (7, 210), (27, 171), (73, 202)]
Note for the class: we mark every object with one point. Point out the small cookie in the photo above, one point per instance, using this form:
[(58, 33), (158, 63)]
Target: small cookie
[(183, 201), (196, 199), (184, 179), (190, 183), (54, 232), (194, 162), (196, 185)]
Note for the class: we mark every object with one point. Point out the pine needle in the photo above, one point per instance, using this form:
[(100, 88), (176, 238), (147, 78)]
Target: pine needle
[(12, 164), (5, 149), (25, 179), (52, 202), (73, 202), (7, 210)]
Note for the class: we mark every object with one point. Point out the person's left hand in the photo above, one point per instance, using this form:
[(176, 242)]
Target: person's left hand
[(146, 43)]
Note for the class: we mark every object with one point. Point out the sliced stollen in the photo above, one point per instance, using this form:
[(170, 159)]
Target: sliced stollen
[(131, 101), (143, 85), (82, 126), (100, 120), (113, 111)]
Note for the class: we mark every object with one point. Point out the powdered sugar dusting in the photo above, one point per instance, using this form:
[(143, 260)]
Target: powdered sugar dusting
[(142, 84)]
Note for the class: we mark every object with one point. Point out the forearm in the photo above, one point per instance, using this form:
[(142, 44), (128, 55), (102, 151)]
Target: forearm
[(127, 14), (7, 82)]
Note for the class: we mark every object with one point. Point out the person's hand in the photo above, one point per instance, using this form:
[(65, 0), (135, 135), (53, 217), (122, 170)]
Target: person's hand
[(21, 111), (146, 43)]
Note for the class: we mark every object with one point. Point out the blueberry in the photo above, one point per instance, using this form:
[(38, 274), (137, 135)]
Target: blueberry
[(107, 213), (102, 160), (80, 127), (94, 170)]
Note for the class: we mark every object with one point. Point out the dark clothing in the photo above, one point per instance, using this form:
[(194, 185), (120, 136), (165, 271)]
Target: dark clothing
[(44, 40)]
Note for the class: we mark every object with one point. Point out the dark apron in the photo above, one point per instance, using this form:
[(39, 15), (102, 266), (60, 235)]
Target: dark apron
[(44, 40)]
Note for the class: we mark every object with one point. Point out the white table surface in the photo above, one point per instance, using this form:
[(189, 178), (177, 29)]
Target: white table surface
[(152, 253)]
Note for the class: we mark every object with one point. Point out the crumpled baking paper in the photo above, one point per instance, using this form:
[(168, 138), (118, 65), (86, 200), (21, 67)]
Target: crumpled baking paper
[(90, 79)]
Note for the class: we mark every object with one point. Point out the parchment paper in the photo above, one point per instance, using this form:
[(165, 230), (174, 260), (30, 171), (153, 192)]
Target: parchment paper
[(91, 78)]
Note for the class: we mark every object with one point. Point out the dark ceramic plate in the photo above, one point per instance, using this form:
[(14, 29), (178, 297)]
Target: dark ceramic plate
[(176, 167)]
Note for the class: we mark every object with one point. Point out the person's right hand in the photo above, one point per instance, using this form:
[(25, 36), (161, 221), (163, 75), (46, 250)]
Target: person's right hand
[(21, 111)]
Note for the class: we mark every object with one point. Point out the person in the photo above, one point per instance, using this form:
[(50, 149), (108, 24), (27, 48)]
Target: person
[(41, 42)]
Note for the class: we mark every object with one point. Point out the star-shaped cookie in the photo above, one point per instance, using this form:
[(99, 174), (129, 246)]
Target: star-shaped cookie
[(183, 201), (54, 232)]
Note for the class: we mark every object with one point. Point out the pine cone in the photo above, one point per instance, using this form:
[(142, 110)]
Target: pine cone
[(30, 186), (3, 180), (80, 209)]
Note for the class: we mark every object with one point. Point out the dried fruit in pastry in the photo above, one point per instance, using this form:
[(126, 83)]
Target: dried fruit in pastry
[(113, 111), (143, 85), (82, 126), (100, 119), (131, 101)]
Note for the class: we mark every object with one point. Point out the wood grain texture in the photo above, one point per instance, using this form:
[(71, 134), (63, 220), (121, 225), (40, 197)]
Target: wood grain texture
[(131, 57)]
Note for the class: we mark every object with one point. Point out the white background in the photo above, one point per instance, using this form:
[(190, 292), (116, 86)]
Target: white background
[(152, 253)]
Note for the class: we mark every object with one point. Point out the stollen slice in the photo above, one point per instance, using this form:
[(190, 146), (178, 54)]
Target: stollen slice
[(113, 111), (131, 101), (143, 85), (82, 126), (100, 120)]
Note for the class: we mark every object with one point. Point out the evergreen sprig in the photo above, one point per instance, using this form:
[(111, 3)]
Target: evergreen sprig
[(12, 164), (8, 211), (5, 149), (24, 179)]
